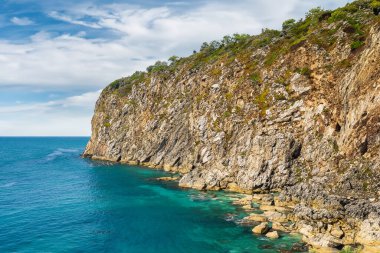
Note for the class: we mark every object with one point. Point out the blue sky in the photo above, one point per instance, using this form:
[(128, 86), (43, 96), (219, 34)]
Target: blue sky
[(57, 55)]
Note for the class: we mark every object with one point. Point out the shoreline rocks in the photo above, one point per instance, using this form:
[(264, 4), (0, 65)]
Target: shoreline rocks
[(262, 228), (272, 235)]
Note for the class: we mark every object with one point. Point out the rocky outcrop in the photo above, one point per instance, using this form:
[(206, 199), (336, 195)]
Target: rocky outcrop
[(272, 235), (262, 228), (289, 112)]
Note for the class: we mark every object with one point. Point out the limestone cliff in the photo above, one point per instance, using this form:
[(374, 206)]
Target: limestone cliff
[(295, 111)]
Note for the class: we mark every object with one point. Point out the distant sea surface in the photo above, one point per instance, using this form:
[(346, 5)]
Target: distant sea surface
[(52, 200)]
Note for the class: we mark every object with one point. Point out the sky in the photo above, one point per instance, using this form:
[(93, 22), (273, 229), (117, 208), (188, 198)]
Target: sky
[(57, 55)]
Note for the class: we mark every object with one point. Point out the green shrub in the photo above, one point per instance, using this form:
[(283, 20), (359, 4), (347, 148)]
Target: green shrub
[(256, 78), (304, 71), (316, 15), (346, 63), (288, 24), (297, 43), (375, 5), (229, 96), (262, 101), (276, 51), (159, 66), (356, 44), (338, 15), (238, 38), (279, 96), (266, 37), (115, 84), (227, 114), (173, 59)]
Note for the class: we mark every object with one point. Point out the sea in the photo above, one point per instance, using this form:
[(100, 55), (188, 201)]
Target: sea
[(53, 200)]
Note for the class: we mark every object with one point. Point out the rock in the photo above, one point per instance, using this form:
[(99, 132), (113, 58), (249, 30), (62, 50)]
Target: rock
[(264, 199), (247, 207), (279, 226), (337, 232), (266, 246), (247, 200), (233, 187), (267, 208), (272, 235), (299, 247), (369, 232), (281, 202), (321, 241), (370, 249), (325, 250), (167, 178), (306, 230), (256, 217), (261, 228), (274, 208), (215, 86), (276, 216)]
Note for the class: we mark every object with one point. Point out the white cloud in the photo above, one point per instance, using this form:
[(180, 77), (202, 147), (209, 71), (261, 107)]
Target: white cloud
[(143, 35), (72, 60), (69, 116), (84, 101), (66, 18), (21, 21)]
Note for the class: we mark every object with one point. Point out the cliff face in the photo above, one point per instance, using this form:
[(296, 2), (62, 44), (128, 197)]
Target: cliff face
[(296, 112)]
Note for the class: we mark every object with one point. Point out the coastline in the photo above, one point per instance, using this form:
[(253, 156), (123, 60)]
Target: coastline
[(280, 214), (262, 208)]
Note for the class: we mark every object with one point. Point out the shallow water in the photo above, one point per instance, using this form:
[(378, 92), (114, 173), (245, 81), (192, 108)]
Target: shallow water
[(51, 200)]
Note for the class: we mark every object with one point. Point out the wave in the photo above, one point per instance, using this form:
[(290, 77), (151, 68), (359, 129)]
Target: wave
[(7, 185), (60, 152)]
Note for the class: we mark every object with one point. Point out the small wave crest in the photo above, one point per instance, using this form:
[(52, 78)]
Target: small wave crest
[(60, 152), (230, 217), (7, 185)]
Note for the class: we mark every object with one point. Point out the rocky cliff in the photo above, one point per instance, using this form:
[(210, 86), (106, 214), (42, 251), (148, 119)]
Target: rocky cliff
[(295, 111)]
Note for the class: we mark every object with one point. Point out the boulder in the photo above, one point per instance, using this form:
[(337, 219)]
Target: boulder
[(262, 228), (369, 233), (280, 226), (337, 232), (276, 216), (265, 199), (247, 207), (247, 200), (256, 217), (272, 235), (267, 208)]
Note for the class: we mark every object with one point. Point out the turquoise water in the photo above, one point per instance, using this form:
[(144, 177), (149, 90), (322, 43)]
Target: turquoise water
[(51, 200)]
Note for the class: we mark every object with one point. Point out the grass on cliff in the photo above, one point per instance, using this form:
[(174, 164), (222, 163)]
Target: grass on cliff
[(318, 27)]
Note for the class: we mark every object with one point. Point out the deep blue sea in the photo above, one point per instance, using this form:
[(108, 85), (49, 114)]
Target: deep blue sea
[(52, 200)]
